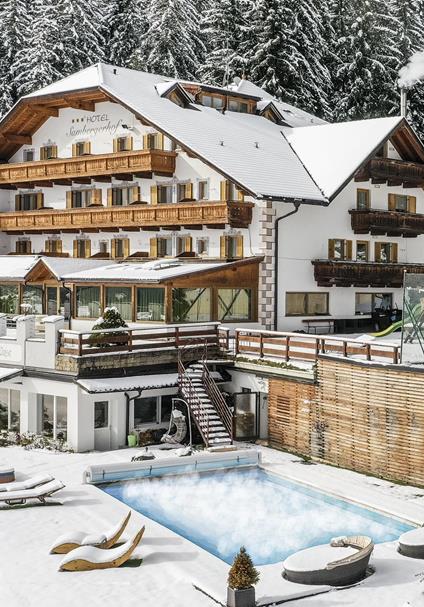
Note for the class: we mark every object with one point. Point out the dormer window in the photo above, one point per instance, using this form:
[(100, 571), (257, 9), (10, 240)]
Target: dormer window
[(213, 101), (48, 152)]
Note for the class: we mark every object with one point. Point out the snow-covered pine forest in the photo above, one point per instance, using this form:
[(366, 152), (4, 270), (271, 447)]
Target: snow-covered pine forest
[(336, 58)]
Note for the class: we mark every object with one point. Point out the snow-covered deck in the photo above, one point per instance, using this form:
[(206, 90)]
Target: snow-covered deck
[(171, 565)]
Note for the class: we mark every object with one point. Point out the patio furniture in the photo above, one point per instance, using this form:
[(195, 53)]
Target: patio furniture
[(411, 543), (41, 493), (29, 483), (344, 561), (87, 558), (72, 540), (7, 475)]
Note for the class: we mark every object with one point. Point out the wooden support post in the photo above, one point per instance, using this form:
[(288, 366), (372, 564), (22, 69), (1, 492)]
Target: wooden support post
[(287, 348), (237, 344), (80, 344), (261, 345), (368, 350), (345, 349), (396, 355), (177, 336)]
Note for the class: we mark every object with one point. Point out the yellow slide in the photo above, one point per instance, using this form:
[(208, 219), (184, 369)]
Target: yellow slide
[(388, 330)]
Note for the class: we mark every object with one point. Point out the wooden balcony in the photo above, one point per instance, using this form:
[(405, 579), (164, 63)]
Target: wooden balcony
[(137, 216), (330, 273), (392, 223), (139, 162), (394, 172)]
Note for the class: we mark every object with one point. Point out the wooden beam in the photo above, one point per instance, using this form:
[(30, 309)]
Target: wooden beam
[(43, 184), (376, 181), (21, 139), (82, 180), (88, 106), (171, 228), (102, 178), (45, 109), (62, 181), (124, 176)]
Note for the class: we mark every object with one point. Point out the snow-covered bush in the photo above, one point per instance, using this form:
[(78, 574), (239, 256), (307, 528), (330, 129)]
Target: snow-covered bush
[(111, 319), (30, 440)]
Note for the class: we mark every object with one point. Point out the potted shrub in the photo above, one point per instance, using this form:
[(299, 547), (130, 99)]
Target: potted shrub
[(111, 319), (241, 580)]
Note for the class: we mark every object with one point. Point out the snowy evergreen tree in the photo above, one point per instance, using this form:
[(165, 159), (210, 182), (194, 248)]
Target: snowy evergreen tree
[(126, 26), (369, 59), (172, 44)]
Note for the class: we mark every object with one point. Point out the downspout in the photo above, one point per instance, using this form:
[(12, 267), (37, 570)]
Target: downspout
[(296, 204), (127, 409)]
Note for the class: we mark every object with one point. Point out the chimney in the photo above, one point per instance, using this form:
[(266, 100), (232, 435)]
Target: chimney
[(403, 102)]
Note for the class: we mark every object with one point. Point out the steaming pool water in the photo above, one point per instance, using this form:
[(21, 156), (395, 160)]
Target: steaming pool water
[(223, 510)]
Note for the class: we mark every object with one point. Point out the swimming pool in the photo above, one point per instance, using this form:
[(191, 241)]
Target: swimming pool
[(223, 510)]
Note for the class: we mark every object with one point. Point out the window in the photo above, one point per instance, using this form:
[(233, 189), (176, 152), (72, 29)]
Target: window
[(29, 155), (145, 411), (51, 301), (362, 250), (10, 409), (104, 247), (120, 298), (402, 203), (183, 244), (213, 101), (202, 246), (81, 148), (234, 304), (52, 415), (120, 248), (29, 202), (306, 304), (48, 152), (32, 298), (123, 196), (362, 199), (87, 301), (161, 247), (53, 246), (366, 303), (203, 190), (101, 414), (23, 246), (339, 249), (191, 305), (82, 248), (386, 252), (231, 247), (9, 299), (153, 141), (184, 192), (123, 144), (150, 304), (163, 194), (238, 106)]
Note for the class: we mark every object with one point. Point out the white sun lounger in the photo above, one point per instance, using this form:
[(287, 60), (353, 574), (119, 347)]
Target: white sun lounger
[(89, 557), (40, 493), (72, 540), (29, 483)]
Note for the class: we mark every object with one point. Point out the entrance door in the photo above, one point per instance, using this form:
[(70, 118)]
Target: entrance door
[(102, 426), (51, 303), (246, 414)]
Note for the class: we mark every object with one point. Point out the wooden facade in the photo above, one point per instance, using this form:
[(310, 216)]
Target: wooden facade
[(392, 223), (329, 273), (367, 418), (394, 172)]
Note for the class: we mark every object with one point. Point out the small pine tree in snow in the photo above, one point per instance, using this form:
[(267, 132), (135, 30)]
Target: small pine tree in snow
[(242, 574), (172, 44), (126, 27), (111, 319)]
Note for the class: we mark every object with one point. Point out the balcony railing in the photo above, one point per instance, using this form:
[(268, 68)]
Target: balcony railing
[(235, 214), (396, 171), (330, 273), (139, 161), (392, 223)]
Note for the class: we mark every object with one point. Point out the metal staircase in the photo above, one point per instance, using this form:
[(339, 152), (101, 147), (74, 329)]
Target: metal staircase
[(208, 408)]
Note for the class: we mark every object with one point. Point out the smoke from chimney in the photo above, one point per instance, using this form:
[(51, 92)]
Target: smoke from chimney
[(412, 72)]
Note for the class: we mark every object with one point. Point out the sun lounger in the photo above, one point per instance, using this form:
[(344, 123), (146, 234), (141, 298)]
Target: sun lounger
[(87, 558), (13, 498), (70, 541), (29, 483)]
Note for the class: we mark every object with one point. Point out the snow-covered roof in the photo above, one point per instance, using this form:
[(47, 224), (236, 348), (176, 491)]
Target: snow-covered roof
[(9, 373), (128, 384), (332, 153), (61, 266), (16, 267)]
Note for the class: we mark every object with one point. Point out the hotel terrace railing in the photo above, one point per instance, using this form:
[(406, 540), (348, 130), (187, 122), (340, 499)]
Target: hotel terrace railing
[(284, 347), (107, 341), (392, 223), (397, 171), (236, 214), (120, 163), (330, 273)]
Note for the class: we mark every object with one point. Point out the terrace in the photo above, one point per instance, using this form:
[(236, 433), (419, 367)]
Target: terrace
[(392, 223), (329, 273)]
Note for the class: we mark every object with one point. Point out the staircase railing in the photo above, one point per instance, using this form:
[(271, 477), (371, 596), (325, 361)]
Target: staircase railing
[(188, 390), (218, 401)]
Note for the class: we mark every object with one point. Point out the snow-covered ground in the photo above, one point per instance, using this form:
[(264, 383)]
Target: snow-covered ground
[(173, 566)]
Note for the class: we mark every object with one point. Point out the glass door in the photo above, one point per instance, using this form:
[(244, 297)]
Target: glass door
[(246, 414), (51, 301)]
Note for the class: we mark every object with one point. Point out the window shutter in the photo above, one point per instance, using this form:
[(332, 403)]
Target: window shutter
[(188, 244), (129, 143), (126, 247), (145, 142), (54, 151), (153, 194), (153, 247), (240, 195), (159, 141), (392, 202), (48, 246), (43, 153), (394, 252), (348, 251), (109, 197), (96, 196), (225, 190), (412, 204), (115, 145), (69, 199), (113, 248), (74, 149), (75, 247), (58, 244), (40, 200), (223, 241), (18, 202), (87, 246), (87, 147), (239, 246), (331, 248), (189, 190), (377, 251), (135, 193)]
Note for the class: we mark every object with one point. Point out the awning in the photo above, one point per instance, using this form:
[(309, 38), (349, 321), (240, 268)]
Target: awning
[(129, 384), (8, 373)]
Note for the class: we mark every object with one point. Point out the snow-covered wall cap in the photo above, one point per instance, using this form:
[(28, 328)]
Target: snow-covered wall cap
[(332, 153)]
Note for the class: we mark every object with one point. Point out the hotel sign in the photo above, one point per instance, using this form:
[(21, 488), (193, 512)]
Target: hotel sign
[(94, 124)]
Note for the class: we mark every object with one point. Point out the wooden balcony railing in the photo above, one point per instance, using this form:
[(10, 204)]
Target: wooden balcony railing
[(392, 223), (274, 346), (330, 273), (393, 171), (120, 163), (235, 214)]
